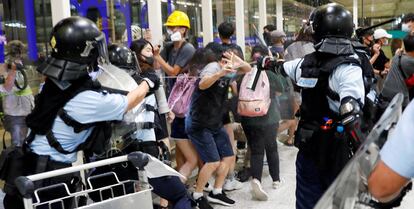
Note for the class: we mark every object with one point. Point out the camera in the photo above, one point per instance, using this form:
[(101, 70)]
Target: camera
[(21, 80)]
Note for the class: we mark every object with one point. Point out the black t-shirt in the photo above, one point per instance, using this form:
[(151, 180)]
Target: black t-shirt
[(233, 46), (379, 63), (206, 110)]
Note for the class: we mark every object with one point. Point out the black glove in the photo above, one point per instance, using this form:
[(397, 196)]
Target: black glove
[(152, 79), (269, 63)]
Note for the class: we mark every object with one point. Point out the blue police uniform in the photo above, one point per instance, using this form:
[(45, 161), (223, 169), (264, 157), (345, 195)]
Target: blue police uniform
[(346, 80), (397, 153), (86, 107)]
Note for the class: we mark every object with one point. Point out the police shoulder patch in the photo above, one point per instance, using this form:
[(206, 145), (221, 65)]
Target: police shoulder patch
[(307, 82)]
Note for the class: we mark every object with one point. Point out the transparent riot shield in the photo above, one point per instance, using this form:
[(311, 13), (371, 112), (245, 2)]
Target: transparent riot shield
[(113, 77), (350, 188)]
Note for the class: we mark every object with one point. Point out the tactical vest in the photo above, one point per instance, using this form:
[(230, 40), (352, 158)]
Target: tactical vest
[(206, 109), (317, 137), (97, 141), (319, 66)]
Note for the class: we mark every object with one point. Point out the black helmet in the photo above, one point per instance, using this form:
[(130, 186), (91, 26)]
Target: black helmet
[(76, 43), (331, 20), (122, 57)]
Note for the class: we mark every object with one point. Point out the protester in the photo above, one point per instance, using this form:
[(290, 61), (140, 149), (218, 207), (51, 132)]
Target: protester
[(204, 126)]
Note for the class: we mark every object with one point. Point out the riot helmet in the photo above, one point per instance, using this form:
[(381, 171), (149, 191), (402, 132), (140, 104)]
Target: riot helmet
[(331, 21), (122, 57), (136, 33), (77, 47)]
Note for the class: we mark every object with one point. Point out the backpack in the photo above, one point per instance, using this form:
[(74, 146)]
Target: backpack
[(408, 79), (254, 103), (180, 96), (286, 99)]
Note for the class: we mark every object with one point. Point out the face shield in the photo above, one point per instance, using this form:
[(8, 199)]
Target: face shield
[(100, 45), (135, 58)]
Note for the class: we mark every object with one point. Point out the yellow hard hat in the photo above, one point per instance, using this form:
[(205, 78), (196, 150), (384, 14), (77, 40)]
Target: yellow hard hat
[(178, 18)]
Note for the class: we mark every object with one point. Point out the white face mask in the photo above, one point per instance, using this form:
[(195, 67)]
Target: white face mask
[(169, 32), (405, 28), (176, 36)]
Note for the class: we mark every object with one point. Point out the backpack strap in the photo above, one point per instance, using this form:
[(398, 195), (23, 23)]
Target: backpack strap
[(404, 75), (169, 49)]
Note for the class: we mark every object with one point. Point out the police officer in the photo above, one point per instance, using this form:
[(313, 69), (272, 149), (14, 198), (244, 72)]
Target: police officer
[(72, 107), (388, 181), (332, 97), (168, 187)]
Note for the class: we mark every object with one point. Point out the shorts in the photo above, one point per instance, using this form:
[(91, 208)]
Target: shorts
[(211, 145), (178, 129), (286, 107), (160, 129)]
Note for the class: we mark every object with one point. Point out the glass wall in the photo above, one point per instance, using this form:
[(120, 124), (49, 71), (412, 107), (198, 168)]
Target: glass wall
[(113, 17), (30, 22), (223, 11)]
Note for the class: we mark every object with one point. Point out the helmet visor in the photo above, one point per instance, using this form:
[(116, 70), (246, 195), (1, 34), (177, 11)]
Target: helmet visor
[(103, 56), (137, 68)]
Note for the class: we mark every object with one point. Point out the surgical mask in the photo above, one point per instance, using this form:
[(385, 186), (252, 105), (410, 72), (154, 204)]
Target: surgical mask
[(405, 28), (169, 32), (231, 75), (149, 60), (176, 36)]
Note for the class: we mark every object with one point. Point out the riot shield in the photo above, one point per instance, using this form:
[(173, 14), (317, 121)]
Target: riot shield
[(350, 190), (113, 77), (116, 78)]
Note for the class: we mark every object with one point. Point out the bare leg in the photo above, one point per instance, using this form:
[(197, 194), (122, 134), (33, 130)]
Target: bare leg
[(190, 157)]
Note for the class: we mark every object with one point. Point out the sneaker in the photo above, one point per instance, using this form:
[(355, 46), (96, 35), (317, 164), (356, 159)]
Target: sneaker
[(232, 184), (208, 187), (257, 191), (202, 203), (277, 184), (220, 199)]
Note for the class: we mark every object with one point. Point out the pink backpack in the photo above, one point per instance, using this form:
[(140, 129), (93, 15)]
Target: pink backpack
[(180, 96), (254, 103)]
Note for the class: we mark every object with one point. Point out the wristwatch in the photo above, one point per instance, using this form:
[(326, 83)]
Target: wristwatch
[(149, 82)]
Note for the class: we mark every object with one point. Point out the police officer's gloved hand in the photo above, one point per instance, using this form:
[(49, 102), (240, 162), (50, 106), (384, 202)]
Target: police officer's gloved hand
[(152, 79), (260, 63), (268, 63)]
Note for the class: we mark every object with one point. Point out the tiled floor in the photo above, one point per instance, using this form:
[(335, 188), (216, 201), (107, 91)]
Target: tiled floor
[(282, 198)]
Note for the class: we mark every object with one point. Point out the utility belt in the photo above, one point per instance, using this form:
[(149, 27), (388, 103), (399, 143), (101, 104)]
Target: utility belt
[(326, 144)]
